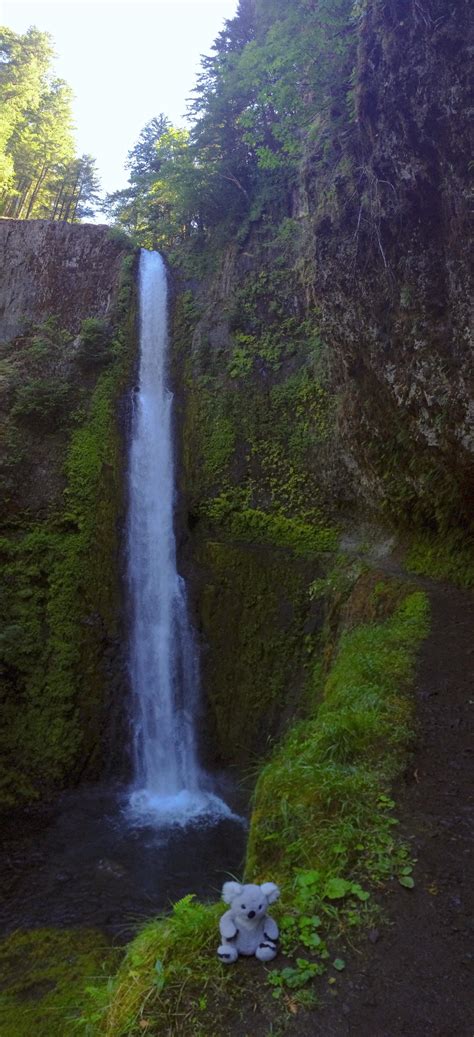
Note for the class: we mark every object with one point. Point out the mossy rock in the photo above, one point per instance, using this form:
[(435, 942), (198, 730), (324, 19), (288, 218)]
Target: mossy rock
[(255, 613), (44, 973)]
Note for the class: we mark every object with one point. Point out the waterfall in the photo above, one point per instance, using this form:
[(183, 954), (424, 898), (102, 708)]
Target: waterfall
[(168, 782)]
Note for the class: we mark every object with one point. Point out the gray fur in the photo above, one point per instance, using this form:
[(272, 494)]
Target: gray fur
[(240, 933)]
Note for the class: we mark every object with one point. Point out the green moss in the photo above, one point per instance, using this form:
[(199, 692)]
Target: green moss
[(44, 975), (61, 599), (258, 527), (317, 801), (258, 433), (213, 416), (448, 557), (253, 607)]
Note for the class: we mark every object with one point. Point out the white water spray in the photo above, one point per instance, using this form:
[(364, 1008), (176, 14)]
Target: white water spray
[(168, 783)]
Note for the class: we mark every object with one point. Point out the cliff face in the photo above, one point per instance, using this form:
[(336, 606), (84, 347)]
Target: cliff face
[(362, 286), (54, 276), (67, 300), (70, 270), (391, 265), (325, 354)]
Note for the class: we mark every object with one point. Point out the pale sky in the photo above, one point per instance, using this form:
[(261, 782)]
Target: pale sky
[(125, 62)]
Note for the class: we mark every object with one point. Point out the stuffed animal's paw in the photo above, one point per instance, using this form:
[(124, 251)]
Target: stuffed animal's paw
[(266, 951), (227, 954)]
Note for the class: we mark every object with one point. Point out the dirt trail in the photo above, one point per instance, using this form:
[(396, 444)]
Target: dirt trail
[(416, 980), (413, 977)]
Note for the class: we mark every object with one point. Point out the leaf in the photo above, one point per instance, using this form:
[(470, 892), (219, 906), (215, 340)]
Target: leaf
[(339, 964), (407, 881), (159, 979), (311, 939), (360, 893), (337, 888), (308, 878)]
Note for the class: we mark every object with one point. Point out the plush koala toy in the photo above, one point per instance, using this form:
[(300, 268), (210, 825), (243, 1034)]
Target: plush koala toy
[(246, 928)]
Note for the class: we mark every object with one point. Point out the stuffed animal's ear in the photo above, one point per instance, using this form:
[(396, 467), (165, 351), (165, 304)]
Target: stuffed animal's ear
[(230, 890), (271, 891)]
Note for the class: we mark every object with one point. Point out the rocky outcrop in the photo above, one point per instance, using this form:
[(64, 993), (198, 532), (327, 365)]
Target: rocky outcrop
[(391, 266), (366, 285), (48, 267)]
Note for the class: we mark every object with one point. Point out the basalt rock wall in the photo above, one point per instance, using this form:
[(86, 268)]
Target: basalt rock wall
[(324, 352), (49, 267)]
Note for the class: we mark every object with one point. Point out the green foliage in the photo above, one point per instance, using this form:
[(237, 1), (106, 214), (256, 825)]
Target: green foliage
[(212, 418), (294, 977), (252, 116), (318, 799), (170, 964), (443, 557), (40, 175), (258, 442), (95, 342), (60, 596), (241, 362), (120, 237), (44, 402), (254, 526)]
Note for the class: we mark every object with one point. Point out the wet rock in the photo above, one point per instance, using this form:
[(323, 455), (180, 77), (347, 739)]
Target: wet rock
[(111, 868)]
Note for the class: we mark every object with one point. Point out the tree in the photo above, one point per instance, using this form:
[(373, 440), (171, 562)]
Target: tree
[(40, 174), (24, 62), (277, 75)]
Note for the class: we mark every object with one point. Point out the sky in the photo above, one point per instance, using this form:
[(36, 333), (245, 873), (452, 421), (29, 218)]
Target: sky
[(126, 62)]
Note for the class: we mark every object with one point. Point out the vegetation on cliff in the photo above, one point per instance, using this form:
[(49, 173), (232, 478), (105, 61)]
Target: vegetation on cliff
[(60, 602), (321, 197)]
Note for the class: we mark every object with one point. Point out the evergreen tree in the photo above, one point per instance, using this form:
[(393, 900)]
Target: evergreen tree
[(40, 174)]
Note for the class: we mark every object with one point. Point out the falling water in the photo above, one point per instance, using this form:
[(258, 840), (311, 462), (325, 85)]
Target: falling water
[(168, 782)]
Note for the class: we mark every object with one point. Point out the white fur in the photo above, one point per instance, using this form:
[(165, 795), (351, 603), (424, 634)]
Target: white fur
[(241, 934)]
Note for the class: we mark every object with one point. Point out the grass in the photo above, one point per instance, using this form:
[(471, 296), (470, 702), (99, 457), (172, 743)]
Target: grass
[(251, 525), (448, 557), (319, 797), (322, 826), (169, 974)]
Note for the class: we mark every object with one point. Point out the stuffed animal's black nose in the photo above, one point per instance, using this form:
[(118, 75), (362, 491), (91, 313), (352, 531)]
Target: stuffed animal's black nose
[(251, 914)]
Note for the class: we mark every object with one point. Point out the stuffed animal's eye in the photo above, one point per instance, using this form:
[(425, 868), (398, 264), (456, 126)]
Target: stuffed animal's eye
[(260, 907), (243, 907)]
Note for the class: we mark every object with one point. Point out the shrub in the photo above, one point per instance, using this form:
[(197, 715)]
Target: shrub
[(96, 344), (44, 401)]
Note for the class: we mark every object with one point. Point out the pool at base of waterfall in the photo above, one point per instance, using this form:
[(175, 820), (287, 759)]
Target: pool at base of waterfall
[(187, 807), (88, 859)]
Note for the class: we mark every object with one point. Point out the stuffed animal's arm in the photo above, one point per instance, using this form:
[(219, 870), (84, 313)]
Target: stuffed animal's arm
[(270, 928), (227, 926)]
